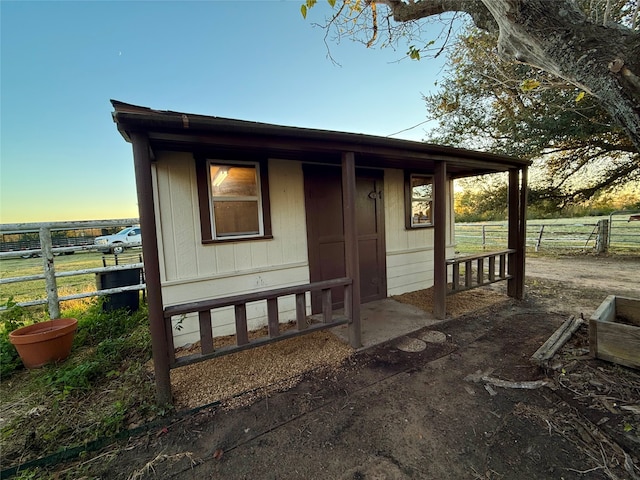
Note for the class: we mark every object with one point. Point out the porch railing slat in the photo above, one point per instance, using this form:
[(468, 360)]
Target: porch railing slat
[(240, 310), (252, 297), (301, 311), (273, 317), (456, 276), (242, 334), (327, 305), (492, 269), (468, 274), (206, 332), (481, 277), (197, 357)]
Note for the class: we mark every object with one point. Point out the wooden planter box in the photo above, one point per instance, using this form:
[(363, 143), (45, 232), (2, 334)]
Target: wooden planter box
[(614, 331)]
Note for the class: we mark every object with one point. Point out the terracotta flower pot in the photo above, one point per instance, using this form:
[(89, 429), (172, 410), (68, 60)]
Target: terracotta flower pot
[(44, 342)]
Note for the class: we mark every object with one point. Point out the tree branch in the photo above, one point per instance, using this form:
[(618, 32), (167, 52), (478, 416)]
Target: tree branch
[(406, 12)]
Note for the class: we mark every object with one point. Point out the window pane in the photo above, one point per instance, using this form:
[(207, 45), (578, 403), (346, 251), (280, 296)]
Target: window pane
[(233, 181), (421, 213), (421, 200), (421, 187), (236, 218)]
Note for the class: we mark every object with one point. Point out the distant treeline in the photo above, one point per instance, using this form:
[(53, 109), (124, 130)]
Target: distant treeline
[(489, 203)]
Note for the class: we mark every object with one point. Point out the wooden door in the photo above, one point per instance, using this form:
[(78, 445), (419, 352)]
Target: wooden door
[(325, 231)]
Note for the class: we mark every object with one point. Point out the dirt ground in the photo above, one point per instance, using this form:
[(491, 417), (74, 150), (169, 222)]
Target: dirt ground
[(441, 413)]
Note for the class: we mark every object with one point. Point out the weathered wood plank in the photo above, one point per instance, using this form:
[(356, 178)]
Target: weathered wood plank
[(503, 265), (629, 309), (463, 259), (614, 341), (273, 317), (468, 274), (464, 289), (606, 312), (549, 348), (301, 311), (456, 276), (242, 334), (327, 307), (618, 343), (492, 268), (252, 297), (206, 332), (480, 272)]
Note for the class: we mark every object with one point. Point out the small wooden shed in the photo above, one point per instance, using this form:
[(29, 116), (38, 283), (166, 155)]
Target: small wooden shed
[(262, 224)]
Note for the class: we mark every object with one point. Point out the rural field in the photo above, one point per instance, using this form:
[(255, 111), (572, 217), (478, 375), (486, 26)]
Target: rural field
[(551, 236), (35, 289)]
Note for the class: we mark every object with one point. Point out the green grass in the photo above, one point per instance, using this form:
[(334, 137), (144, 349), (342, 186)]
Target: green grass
[(105, 386), (35, 289)]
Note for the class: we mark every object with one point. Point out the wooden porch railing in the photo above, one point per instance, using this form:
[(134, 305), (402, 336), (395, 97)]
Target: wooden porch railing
[(473, 278), (239, 302)]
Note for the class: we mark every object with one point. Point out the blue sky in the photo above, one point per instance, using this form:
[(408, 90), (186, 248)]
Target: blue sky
[(61, 157)]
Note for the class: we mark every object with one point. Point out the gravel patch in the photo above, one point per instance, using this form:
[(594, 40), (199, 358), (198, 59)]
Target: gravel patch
[(272, 367), (243, 377)]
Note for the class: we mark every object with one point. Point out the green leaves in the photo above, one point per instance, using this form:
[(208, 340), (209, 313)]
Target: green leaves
[(304, 8), (413, 53)]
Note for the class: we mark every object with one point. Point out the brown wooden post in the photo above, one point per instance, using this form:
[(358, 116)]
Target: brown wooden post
[(522, 236), (351, 255), (513, 240), (440, 240), (159, 344)]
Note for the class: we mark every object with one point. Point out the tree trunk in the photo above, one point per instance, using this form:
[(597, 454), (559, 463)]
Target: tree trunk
[(603, 60)]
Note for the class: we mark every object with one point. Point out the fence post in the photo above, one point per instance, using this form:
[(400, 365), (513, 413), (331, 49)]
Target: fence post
[(602, 240), (49, 273), (484, 237), (539, 241)]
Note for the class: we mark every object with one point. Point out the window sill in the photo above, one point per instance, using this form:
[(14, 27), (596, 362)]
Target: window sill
[(236, 240), (422, 227)]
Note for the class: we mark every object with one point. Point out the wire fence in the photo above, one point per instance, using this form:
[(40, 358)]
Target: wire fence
[(583, 234), (125, 275)]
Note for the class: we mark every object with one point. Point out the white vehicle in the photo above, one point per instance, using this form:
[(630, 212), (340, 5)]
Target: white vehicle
[(116, 243)]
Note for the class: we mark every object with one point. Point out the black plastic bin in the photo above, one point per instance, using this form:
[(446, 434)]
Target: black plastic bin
[(120, 278)]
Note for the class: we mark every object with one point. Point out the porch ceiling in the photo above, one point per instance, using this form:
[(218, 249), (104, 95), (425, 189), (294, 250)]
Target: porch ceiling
[(212, 136)]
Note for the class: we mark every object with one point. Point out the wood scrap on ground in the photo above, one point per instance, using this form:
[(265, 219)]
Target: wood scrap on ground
[(545, 353), (486, 377)]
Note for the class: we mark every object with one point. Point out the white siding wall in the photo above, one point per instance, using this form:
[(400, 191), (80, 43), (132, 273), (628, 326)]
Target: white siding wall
[(409, 252), (191, 271)]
